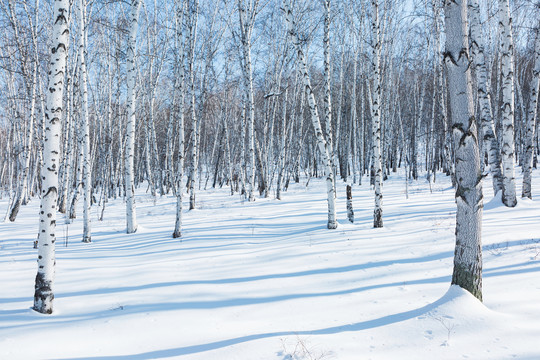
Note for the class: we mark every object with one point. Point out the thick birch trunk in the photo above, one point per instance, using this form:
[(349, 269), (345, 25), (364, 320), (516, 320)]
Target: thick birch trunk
[(468, 253), (131, 218), (507, 76), (43, 296)]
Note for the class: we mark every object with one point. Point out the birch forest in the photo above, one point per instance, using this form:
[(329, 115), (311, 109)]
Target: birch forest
[(100, 100)]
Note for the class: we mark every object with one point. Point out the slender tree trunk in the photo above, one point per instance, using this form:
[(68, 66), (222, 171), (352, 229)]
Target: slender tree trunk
[(321, 142), (350, 211), (30, 81), (77, 174), (507, 75), (246, 22), (468, 253), (179, 113), (376, 115), (328, 91), (85, 129), (531, 119), (354, 131), (131, 218), (283, 152), (192, 37), (67, 147), (491, 145)]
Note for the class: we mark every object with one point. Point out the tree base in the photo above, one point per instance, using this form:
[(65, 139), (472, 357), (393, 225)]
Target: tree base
[(43, 295), (470, 280), (377, 218), (131, 231), (15, 210)]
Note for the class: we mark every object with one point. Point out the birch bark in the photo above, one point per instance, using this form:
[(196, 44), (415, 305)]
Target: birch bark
[(328, 90), (84, 125), (192, 37), (131, 218), (507, 77), (179, 94), (468, 252), (376, 116), (43, 296), (531, 119), (486, 119), (247, 19), (316, 122)]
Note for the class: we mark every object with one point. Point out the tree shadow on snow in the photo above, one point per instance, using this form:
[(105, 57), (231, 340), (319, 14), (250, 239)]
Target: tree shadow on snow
[(359, 326)]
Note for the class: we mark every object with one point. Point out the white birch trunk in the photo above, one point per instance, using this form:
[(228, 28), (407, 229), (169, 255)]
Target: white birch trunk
[(531, 120), (486, 119), (67, 148), (507, 76), (131, 219), (247, 18), (43, 296), (448, 166), (328, 90), (350, 210), (192, 37), (468, 253), (179, 113), (85, 129), (77, 174), (31, 86), (321, 142), (283, 151), (376, 116), (354, 120)]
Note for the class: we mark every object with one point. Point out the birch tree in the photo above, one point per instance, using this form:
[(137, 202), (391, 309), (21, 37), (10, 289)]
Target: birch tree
[(315, 119), (30, 77), (131, 218), (328, 87), (193, 9), (43, 296), (247, 10), (84, 123), (507, 122), (178, 111), (490, 143), (376, 115), (531, 118), (468, 252)]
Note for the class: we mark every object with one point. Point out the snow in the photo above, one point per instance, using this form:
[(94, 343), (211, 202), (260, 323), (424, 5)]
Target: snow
[(267, 280)]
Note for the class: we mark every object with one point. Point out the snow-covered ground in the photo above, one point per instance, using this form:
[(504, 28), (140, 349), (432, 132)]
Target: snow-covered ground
[(267, 280)]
